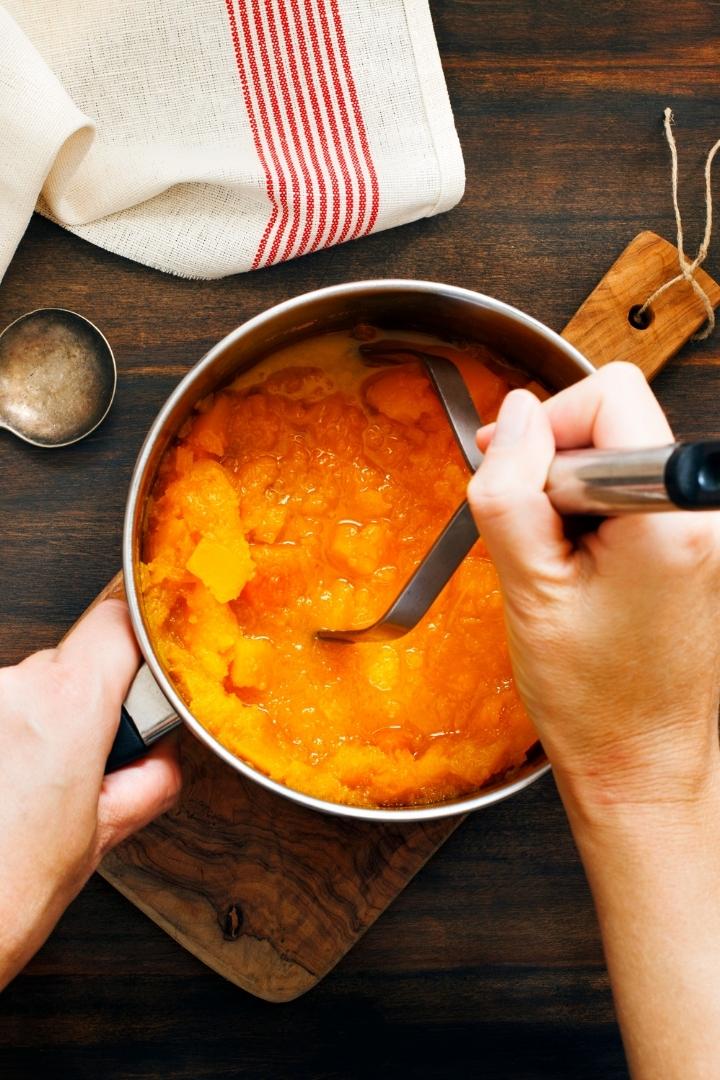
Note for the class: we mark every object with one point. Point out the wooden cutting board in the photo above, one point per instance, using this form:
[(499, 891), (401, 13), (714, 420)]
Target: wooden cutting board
[(271, 895)]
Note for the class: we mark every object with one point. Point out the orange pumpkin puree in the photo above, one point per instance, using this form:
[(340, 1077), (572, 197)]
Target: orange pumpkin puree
[(303, 496)]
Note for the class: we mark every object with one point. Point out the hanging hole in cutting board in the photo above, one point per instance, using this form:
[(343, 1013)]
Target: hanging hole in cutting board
[(640, 319)]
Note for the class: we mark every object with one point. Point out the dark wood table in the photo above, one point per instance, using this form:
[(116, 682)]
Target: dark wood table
[(490, 963)]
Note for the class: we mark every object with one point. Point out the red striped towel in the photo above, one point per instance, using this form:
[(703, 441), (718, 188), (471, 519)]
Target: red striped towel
[(206, 137)]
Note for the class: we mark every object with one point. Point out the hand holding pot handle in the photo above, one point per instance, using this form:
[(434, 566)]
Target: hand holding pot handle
[(59, 814)]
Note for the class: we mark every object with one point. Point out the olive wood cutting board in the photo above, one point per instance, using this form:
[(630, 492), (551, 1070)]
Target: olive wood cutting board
[(271, 895)]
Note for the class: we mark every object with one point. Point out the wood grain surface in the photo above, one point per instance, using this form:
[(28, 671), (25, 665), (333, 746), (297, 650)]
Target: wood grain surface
[(271, 895), (489, 964)]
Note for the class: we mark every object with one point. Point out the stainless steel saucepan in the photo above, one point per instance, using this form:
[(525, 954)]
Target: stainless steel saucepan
[(154, 706)]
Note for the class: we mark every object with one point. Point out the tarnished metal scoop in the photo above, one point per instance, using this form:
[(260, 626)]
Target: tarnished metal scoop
[(57, 377), (600, 482)]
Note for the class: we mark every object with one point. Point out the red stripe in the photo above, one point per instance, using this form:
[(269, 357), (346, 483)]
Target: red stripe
[(269, 187), (281, 56), (345, 193), (279, 197), (282, 121), (360, 123), (339, 95), (316, 128), (281, 144)]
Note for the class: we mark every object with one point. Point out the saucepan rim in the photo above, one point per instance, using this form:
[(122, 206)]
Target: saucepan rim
[(133, 518)]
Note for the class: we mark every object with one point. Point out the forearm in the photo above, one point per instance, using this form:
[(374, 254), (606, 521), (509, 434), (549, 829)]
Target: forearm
[(655, 876), (29, 910)]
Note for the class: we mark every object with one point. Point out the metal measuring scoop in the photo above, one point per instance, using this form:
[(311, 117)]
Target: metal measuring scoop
[(57, 377), (595, 482)]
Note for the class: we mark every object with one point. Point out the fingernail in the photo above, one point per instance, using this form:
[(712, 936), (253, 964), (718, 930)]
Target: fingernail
[(513, 419)]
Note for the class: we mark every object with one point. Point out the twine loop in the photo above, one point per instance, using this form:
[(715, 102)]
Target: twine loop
[(688, 267)]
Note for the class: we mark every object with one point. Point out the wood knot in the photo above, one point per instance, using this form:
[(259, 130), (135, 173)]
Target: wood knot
[(231, 922)]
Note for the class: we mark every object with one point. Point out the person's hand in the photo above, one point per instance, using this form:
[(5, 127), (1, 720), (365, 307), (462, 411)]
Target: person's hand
[(615, 643), (59, 711), (615, 640)]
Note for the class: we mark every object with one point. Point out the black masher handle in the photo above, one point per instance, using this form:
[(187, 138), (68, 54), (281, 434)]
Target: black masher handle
[(692, 475)]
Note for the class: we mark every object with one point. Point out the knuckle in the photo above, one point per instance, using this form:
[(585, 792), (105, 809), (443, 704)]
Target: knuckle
[(33, 666), (488, 498), (694, 545), (623, 373), (20, 679), (65, 684), (537, 597), (8, 677)]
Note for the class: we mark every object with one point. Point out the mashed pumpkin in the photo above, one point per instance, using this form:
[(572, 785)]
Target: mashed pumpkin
[(303, 496)]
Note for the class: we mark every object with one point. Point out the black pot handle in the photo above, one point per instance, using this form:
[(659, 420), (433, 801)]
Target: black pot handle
[(145, 717), (128, 745)]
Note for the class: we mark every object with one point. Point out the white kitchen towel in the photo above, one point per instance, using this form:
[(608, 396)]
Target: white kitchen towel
[(206, 137)]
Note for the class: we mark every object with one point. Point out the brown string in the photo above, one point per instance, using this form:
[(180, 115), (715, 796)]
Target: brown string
[(687, 268)]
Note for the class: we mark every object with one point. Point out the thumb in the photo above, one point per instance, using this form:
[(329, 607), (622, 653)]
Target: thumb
[(101, 656), (521, 530)]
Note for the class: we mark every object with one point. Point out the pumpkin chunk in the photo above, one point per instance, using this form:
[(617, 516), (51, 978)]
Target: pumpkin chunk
[(223, 568)]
